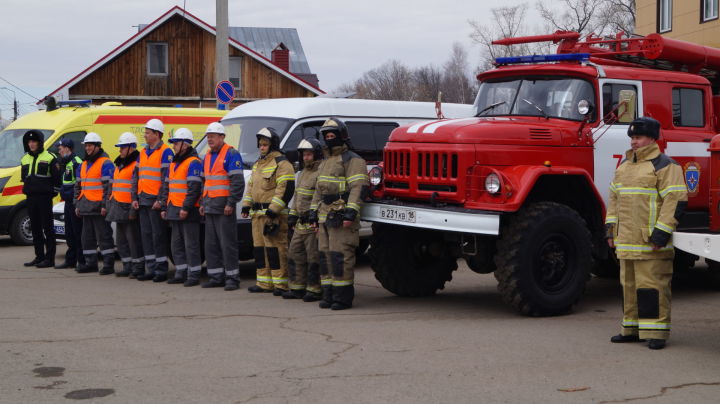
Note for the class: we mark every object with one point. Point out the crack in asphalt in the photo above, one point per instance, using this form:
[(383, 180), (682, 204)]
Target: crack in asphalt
[(663, 390)]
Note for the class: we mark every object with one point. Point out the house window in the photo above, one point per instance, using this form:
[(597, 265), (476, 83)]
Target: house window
[(157, 56), (235, 70), (664, 15), (709, 10), (687, 107)]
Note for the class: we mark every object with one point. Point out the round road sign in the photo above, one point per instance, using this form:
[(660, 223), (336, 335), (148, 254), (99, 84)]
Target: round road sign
[(225, 92)]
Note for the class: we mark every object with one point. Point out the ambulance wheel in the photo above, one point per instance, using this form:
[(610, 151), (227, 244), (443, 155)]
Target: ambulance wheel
[(409, 261), (20, 231), (543, 259)]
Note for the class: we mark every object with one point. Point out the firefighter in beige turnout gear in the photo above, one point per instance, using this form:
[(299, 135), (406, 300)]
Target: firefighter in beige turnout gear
[(335, 210), (647, 198), (271, 186), (303, 267)]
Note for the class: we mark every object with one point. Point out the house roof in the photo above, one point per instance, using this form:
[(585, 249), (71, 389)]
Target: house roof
[(200, 23), (264, 40)]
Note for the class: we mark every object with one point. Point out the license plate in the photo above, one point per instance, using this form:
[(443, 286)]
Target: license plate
[(398, 214), (59, 229)]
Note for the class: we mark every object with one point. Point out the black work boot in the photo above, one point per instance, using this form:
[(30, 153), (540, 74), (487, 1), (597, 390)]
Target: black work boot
[(138, 270), (86, 268), (213, 283), (343, 297), (625, 338), (108, 265), (231, 284), (294, 294), (146, 276), (65, 265), (327, 297), (159, 277), (278, 292), (193, 279), (656, 343), (46, 263), (311, 297), (258, 289), (32, 263), (127, 270), (178, 278)]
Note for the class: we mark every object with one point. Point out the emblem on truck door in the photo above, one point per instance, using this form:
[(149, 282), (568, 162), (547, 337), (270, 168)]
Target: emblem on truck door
[(692, 177)]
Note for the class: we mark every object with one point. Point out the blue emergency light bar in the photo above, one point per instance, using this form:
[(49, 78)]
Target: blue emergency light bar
[(69, 103), (564, 57)]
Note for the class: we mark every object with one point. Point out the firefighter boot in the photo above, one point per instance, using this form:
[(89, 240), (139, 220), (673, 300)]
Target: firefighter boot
[(311, 297), (127, 270), (656, 343), (327, 297), (138, 270), (343, 297), (108, 264), (625, 338), (293, 294)]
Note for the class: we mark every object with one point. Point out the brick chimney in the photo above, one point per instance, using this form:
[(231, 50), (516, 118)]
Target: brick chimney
[(281, 56)]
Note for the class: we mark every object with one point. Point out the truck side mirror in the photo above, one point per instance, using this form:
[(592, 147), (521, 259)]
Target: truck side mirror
[(626, 108)]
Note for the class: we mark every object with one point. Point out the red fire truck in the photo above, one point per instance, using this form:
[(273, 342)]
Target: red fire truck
[(520, 189)]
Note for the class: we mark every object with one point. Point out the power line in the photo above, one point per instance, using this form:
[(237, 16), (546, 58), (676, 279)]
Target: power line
[(20, 89)]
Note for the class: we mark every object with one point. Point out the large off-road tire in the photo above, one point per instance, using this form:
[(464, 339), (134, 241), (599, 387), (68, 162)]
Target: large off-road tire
[(20, 232), (543, 259), (409, 261)]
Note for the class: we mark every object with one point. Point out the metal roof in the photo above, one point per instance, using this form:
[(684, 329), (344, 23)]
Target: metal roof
[(264, 40)]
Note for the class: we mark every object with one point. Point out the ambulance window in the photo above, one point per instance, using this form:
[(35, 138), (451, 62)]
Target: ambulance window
[(688, 108), (309, 129), (362, 138), (382, 134), (76, 137), (611, 100)]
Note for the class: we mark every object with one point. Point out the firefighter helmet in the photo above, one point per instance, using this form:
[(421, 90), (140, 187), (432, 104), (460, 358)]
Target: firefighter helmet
[(338, 127), (313, 145), (271, 135)]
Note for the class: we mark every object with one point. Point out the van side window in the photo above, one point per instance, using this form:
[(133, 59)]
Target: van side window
[(369, 138), (687, 107), (76, 137), (308, 129), (611, 99)]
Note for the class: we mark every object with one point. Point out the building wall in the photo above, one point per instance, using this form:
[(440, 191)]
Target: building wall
[(191, 70), (686, 22)]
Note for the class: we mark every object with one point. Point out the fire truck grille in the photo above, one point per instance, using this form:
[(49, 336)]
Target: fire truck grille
[(397, 163), (434, 165)]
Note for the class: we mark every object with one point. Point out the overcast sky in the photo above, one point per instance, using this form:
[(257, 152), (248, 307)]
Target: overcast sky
[(46, 42)]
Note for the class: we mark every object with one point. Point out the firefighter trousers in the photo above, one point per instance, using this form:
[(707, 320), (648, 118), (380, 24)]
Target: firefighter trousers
[(646, 297), (221, 247), (129, 243), (337, 247), (270, 251), (303, 267), (97, 232), (153, 231), (185, 246)]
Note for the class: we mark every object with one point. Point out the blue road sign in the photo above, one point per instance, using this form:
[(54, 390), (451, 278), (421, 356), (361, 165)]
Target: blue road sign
[(225, 92)]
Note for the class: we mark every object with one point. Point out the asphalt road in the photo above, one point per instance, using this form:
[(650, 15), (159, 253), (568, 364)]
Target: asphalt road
[(65, 336)]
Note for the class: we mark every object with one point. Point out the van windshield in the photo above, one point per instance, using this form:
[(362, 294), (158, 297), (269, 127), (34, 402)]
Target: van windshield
[(240, 133), (12, 146)]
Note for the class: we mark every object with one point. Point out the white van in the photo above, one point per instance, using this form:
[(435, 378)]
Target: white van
[(369, 124)]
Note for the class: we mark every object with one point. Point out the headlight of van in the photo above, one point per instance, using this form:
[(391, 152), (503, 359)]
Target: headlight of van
[(492, 184), (376, 176)]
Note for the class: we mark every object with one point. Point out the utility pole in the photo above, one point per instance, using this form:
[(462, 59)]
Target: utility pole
[(222, 54), (15, 110)]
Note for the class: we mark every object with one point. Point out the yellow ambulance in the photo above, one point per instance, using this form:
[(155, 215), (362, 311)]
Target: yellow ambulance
[(73, 119)]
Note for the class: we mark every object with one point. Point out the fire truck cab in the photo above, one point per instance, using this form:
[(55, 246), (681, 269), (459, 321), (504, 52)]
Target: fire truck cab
[(520, 189)]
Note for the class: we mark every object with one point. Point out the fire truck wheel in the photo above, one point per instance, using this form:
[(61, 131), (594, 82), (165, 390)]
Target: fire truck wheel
[(543, 259), (713, 272), (409, 261)]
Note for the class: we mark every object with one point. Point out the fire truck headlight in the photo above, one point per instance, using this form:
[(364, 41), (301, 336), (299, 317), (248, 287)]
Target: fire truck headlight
[(492, 184), (376, 176)]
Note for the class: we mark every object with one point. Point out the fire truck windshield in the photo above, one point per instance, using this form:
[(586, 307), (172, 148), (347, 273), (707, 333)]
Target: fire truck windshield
[(549, 97)]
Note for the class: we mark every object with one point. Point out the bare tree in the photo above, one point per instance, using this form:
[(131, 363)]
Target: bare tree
[(457, 84), (617, 16), (390, 81), (428, 82), (572, 15)]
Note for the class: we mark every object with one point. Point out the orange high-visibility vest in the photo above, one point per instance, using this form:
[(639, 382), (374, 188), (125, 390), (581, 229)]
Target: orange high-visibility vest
[(122, 183), (91, 180), (177, 181), (149, 171), (217, 181)]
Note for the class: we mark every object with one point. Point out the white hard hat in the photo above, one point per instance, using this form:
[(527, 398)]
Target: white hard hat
[(156, 125), (92, 137), (126, 139), (181, 134), (215, 127)]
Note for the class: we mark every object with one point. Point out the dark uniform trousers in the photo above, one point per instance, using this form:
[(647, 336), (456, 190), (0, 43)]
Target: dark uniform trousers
[(41, 225), (221, 247), (129, 246), (185, 245), (154, 239), (646, 297), (303, 267), (337, 247), (73, 235), (95, 229)]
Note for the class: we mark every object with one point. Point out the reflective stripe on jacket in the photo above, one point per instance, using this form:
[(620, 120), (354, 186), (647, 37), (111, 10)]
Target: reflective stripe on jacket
[(122, 183), (91, 186), (217, 181), (178, 182), (149, 171), (272, 183), (342, 176)]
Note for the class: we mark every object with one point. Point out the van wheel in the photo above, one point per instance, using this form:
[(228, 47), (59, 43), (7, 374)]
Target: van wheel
[(408, 261), (20, 231), (543, 259)]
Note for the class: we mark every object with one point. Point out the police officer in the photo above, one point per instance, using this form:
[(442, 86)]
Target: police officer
[(647, 198), (335, 210), (151, 171), (69, 165), (179, 198), (272, 185), (120, 211), (91, 194), (41, 180), (223, 189), (303, 251)]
